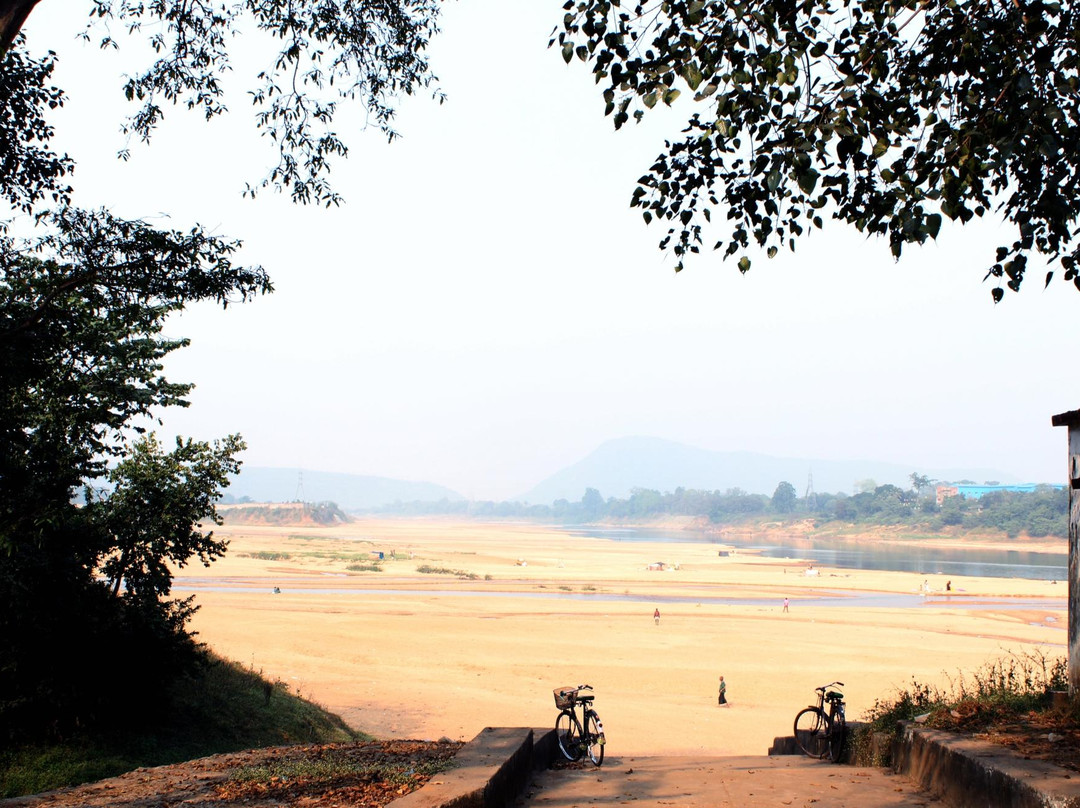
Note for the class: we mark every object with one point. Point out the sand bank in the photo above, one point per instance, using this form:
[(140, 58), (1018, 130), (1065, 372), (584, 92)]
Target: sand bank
[(515, 610)]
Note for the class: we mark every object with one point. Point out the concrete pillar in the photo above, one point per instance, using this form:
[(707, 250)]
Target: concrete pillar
[(1071, 420)]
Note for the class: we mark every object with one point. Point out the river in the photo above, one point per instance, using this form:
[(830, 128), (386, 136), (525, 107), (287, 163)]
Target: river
[(906, 556)]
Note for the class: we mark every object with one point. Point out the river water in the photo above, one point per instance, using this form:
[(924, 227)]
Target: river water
[(908, 556), (829, 598)]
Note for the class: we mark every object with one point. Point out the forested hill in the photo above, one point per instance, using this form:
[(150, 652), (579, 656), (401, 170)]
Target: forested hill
[(1039, 513)]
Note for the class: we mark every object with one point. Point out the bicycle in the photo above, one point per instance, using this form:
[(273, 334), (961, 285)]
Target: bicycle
[(819, 733), (578, 737)]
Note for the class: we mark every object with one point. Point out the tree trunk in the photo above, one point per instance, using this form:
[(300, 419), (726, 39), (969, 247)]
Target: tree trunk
[(13, 14)]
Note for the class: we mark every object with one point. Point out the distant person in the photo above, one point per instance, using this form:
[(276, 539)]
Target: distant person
[(721, 700), (786, 604), (656, 616), (948, 586)]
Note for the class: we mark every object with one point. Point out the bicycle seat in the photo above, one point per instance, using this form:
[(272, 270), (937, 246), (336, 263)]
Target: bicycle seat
[(585, 698), (832, 695)]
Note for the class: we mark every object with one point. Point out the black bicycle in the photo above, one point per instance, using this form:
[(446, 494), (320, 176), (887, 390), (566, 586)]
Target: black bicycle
[(578, 736), (820, 731)]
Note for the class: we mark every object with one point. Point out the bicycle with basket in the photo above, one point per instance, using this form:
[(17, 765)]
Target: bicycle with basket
[(582, 736), (820, 731)]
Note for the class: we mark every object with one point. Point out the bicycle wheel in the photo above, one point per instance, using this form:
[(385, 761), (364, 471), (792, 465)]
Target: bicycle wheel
[(812, 732), (836, 739), (568, 734), (594, 738)]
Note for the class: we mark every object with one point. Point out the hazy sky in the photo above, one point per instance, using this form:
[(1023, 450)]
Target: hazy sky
[(486, 308)]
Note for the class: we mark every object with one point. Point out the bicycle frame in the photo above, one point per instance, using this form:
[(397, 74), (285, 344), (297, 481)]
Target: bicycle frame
[(819, 732), (576, 736)]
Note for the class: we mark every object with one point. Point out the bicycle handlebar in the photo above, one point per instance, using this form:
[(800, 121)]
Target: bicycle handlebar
[(823, 688)]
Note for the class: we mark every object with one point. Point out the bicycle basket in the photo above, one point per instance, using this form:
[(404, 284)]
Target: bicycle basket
[(565, 697)]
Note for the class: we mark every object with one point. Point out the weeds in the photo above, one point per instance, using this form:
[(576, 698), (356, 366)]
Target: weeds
[(1000, 690), (369, 567), (267, 555)]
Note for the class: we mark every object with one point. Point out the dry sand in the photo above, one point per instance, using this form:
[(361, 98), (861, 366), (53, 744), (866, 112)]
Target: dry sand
[(405, 654)]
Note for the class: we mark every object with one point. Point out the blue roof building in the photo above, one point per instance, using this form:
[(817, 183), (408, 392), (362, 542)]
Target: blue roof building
[(979, 491)]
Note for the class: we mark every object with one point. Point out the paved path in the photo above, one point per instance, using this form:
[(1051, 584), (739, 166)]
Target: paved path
[(723, 782)]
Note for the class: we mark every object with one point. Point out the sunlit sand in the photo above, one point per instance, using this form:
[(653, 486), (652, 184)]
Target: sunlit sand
[(402, 653)]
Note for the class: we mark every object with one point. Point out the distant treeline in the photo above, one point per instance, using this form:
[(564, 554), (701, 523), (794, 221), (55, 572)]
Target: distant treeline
[(1043, 512)]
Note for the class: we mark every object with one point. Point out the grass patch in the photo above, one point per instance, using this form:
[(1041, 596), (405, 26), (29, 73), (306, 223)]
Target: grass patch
[(267, 555), (368, 567), (324, 555), (1000, 691), (226, 708), (427, 569)]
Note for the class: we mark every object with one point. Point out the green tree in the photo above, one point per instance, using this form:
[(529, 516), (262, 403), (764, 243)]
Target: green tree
[(592, 504), (918, 481), (81, 315), (784, 498), (888, 116), (154, 513)]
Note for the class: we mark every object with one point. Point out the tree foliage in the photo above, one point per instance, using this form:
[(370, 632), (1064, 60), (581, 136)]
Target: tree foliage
[(784, 498), (1040, 513), (155, 510), (319, 54), (29, 171), (82, 309), (888, 115)]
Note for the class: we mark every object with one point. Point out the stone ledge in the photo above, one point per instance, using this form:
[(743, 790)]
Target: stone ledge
[(785, 744), (490, 771), (966, 772)]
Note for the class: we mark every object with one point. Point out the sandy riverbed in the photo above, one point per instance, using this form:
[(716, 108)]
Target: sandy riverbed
[(403, 653)]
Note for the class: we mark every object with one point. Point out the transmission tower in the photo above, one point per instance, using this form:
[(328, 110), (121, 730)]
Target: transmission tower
[(299, 488), (811, 497)]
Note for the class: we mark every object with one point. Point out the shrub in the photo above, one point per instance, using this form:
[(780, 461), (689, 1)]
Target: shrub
[(369, 567), (430, 570), (1000, 689)]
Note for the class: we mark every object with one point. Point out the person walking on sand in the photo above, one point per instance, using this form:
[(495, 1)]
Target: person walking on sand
[(656, 616), (785, 604), (721, 700)]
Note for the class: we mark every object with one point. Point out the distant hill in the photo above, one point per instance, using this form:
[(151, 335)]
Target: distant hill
[(349, 491), (617, 466)]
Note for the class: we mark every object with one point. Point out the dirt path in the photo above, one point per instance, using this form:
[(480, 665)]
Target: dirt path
[(735, 782)]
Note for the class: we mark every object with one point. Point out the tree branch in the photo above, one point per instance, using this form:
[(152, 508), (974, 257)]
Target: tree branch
[(13, 14)]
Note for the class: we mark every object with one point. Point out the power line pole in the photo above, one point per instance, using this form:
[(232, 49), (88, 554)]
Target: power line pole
[(811, 496)]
